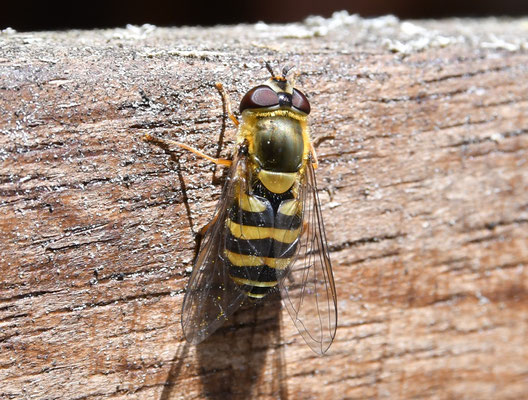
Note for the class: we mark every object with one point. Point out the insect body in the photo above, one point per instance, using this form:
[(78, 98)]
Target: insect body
[(267, 230)]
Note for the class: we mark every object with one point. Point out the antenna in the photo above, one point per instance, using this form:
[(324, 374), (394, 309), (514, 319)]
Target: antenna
[(285, 70), (268, 67)]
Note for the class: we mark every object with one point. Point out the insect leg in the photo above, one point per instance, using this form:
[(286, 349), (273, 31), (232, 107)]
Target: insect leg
[(218, 161), (227, 102), (200, 235), (315, 163)]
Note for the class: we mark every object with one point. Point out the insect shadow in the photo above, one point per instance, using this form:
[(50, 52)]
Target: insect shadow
[(178, 361), (176, 160), (232, 360)]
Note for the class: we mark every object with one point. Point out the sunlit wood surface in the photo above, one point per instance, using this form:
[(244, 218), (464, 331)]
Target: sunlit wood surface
[(423, 144)]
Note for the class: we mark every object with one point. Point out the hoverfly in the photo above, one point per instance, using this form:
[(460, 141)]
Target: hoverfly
[(267, 231)]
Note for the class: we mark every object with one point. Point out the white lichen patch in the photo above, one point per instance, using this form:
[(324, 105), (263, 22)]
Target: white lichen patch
[(404, 37), (415, 40), (312, 26), (412, 38), (134, 31), (395, 35), (315, 26), (8, 31), (514, 44)]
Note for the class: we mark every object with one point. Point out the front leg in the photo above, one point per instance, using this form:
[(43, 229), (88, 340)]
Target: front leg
[(227, 102), (218, 161)]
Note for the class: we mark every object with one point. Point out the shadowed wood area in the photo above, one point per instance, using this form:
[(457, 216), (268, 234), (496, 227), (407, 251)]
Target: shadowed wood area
[(422, 133)]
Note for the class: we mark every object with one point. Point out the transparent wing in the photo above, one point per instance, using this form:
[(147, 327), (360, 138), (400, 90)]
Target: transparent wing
[(308, 289), (211, 295)]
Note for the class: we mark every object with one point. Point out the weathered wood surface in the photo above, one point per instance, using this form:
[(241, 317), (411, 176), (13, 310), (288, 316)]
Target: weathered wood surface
[(423, 177)]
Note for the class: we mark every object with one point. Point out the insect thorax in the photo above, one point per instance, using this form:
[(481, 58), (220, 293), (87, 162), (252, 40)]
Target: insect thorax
[(277, 146)]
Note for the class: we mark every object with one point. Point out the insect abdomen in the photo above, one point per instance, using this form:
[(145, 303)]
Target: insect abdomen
[(260, 242)]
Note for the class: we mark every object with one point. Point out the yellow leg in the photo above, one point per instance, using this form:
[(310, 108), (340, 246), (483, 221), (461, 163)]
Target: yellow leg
[(227, 102), (305, 228), (218, 161), (315, 163)]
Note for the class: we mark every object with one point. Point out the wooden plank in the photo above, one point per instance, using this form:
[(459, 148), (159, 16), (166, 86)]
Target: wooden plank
[(423, 147)]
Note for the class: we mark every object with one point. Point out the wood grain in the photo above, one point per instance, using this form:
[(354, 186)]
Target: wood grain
[(424, 178)]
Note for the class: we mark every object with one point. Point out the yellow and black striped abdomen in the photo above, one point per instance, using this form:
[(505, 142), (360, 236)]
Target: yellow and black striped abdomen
[(262, 232)]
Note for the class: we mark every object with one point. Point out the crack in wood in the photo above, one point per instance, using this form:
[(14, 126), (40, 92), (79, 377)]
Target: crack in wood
[(372, 239)]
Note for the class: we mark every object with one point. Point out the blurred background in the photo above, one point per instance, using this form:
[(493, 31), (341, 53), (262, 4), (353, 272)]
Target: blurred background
[(50, 15)]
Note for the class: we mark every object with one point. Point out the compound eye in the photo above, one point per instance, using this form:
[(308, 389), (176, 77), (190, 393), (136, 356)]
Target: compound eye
[(258, 97), (300, 102)]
